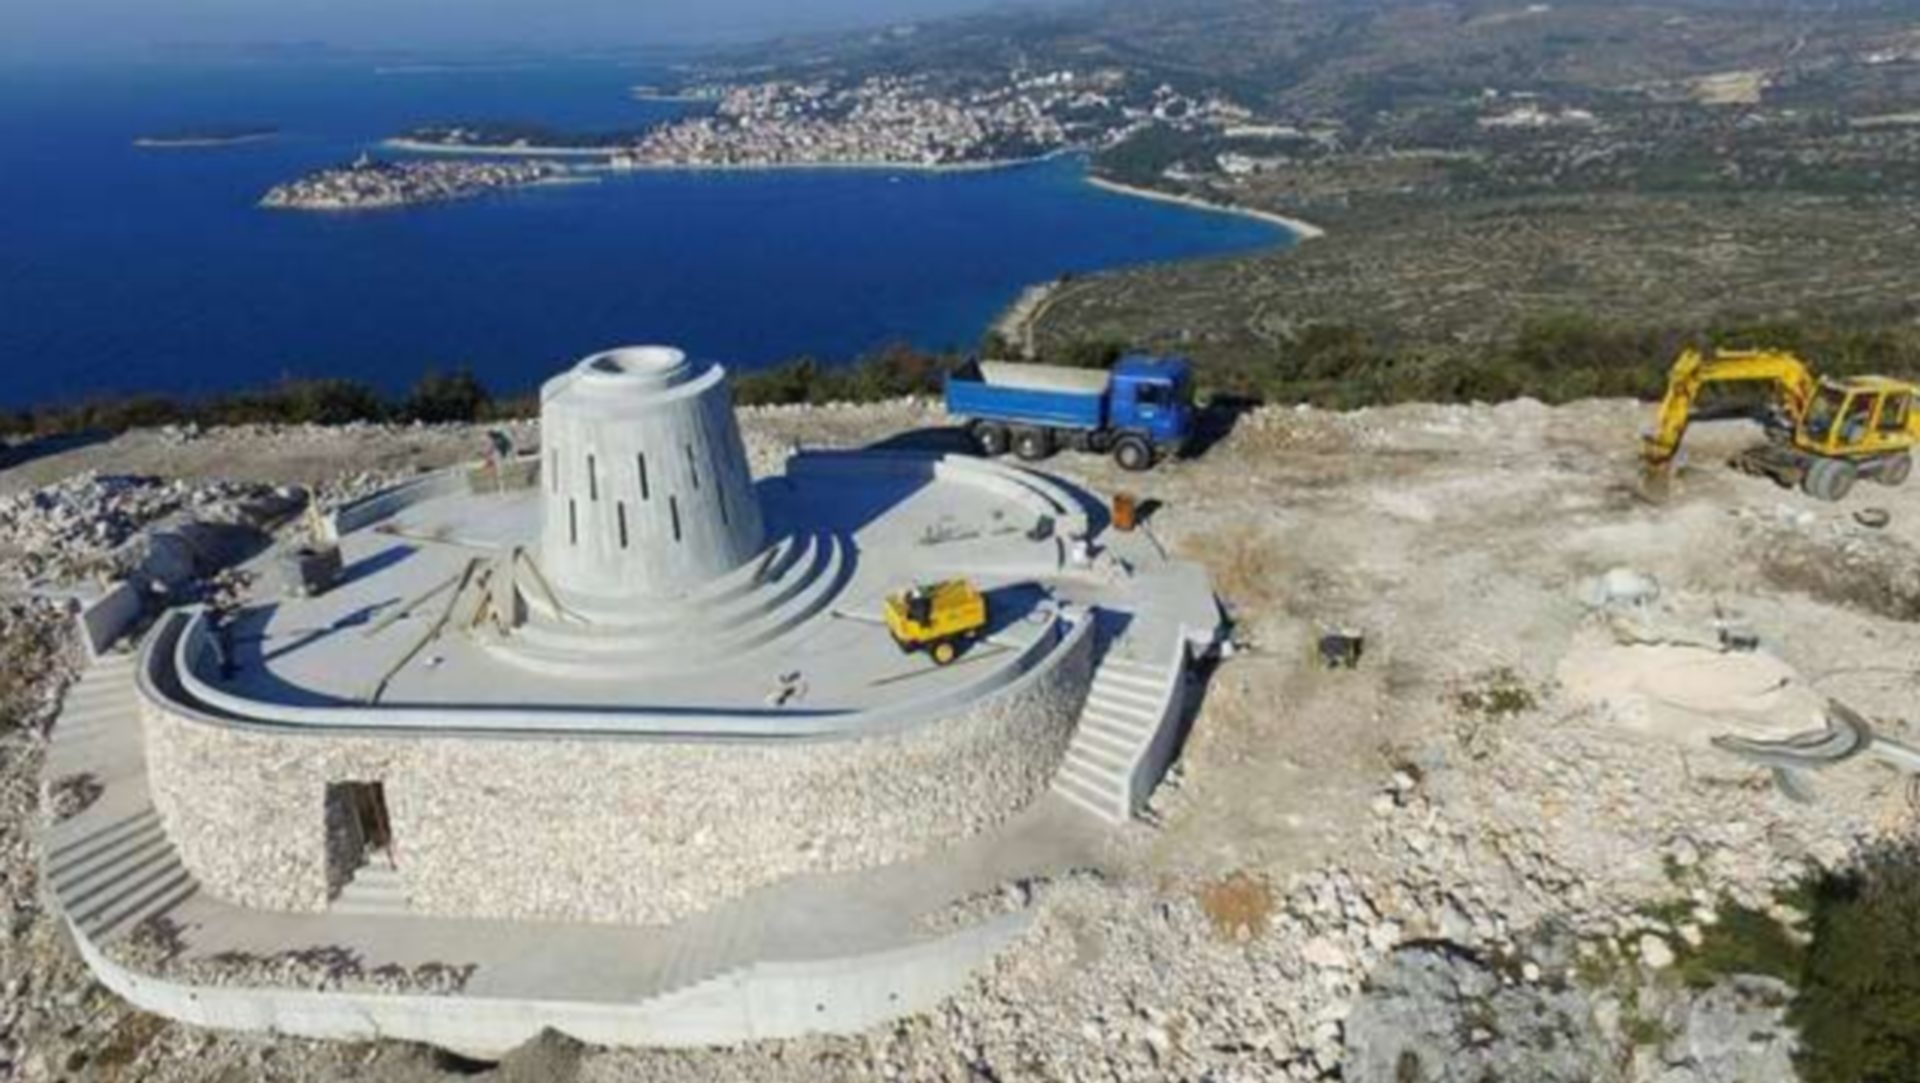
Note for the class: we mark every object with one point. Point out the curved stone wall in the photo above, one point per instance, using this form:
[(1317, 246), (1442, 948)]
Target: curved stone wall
[(602, 830), (645, 491)]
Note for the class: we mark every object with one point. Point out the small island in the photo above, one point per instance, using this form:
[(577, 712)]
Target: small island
[(368, 183), (225, 136)]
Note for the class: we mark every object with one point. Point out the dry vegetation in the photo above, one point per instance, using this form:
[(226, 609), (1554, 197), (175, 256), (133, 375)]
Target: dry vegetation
[(1248, 569), (1239, 905)]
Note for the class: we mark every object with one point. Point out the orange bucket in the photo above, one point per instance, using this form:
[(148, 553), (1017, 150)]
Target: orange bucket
[(1126, 512)]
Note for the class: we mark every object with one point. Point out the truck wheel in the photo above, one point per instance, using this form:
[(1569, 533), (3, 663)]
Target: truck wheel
[(1032, 444), (1133, 453), (993, 439), (1896, 470)]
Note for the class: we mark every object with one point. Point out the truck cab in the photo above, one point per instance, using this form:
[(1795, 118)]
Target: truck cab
[(1152, 396)]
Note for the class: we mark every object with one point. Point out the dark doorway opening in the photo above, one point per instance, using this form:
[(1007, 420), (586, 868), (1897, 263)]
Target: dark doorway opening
[(359, 829)]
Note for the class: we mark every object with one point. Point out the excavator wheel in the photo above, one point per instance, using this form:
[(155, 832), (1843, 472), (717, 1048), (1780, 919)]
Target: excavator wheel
[(1896, 470), (1830, 480)]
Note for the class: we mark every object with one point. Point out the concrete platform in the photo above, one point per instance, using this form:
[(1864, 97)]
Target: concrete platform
[(846, 538), (810, 952)]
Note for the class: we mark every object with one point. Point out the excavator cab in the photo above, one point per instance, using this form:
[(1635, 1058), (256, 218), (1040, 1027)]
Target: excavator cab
[(1864, 416), (1822, 413)]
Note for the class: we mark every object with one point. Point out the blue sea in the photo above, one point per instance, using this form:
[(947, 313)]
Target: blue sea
[(125, 269)]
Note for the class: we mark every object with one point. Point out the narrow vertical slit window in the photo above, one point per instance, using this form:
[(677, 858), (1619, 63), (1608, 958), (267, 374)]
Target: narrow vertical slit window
[(573, 522), (593, 480), (621, 508), (553, 467), (641, 461), (721, 493), (693, 467), (673, 509)]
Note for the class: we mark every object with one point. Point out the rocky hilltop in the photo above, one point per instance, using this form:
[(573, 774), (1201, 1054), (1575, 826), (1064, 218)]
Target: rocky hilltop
[(1505, 846)]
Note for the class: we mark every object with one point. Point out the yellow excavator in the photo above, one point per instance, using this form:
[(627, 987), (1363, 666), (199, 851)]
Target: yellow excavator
[(1823, 434)]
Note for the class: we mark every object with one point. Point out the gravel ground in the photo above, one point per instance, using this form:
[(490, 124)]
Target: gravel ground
[(1349, 869)]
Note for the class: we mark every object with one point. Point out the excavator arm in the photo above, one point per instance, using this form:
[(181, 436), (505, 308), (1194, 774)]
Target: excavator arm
[(1793, 383)]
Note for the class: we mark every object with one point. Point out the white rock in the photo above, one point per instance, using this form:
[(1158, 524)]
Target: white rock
[(1656, 952), (1323, 953)]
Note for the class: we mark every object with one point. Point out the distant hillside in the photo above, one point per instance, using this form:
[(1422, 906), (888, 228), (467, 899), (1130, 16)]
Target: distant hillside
[(1523, 196)]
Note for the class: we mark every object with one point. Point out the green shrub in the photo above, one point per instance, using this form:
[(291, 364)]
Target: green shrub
[(1742, 941), (1090, 354), (889, 374), (325, 402), (1555, 357), (1858, 1010), (448, 396)]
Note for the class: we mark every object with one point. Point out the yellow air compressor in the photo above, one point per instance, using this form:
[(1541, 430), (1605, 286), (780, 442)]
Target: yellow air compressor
[(939, 619)]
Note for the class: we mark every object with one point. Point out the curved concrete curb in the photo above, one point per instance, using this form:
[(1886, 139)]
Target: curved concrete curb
[(1041, 495), (756, 1002), (182, 642)]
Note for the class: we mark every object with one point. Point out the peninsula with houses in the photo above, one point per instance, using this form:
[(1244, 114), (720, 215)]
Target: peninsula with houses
[(368, 183)]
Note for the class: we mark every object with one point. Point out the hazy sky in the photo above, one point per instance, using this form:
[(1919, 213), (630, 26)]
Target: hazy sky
[(62, 27)]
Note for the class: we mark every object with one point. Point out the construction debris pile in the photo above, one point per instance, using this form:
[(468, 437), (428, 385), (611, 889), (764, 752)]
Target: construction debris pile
[(96, 526)]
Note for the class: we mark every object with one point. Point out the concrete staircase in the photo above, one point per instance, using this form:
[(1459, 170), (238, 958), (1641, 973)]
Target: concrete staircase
[(1119, 744), (110, 867), (375, 890)]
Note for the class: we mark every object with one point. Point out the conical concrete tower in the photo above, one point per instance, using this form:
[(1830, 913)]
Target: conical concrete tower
[(646, 493)]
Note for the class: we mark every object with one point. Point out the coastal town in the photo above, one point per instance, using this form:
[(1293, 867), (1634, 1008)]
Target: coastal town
[(368, 183), (880, 120)]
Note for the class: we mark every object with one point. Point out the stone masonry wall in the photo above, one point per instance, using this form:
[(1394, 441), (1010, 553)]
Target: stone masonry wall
[(615, 831)]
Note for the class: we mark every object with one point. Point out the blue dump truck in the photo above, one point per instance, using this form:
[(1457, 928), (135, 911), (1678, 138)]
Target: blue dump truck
[(1140, 410)]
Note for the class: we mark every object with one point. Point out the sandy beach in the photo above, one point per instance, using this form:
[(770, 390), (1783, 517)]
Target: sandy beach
[(1305, 231), (1015, 325), (416, 146), (161, 142)]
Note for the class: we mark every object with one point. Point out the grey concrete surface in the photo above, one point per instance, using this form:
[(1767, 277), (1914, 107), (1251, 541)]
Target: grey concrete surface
[(626, 752)]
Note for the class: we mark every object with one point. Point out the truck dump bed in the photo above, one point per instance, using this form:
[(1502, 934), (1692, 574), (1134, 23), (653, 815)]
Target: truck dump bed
[(1044, 395)]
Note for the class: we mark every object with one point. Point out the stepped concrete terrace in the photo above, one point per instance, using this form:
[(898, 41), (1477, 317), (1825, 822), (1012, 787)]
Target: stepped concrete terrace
[(479, 786)]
